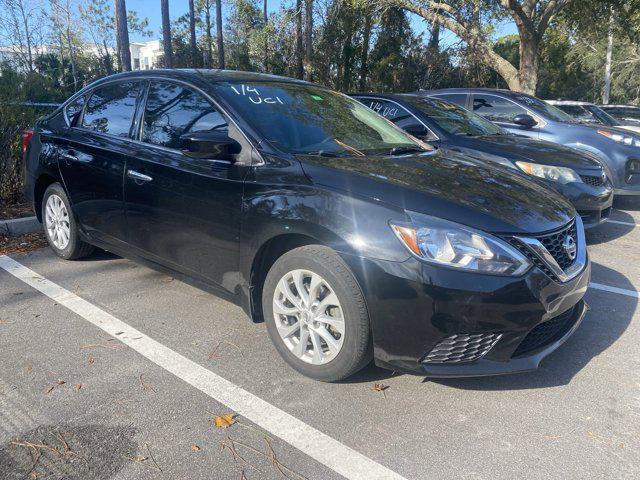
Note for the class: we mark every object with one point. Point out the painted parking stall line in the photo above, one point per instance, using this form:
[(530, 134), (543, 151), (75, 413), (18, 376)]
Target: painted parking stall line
[(620, 291), (317, 445), (618, 222)]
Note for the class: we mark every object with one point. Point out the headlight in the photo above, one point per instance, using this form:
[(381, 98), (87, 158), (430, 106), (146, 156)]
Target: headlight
[(452, 245), (618, 137), (549, 172)]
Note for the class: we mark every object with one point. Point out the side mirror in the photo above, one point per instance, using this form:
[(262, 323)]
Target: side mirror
[(209, 144), (524, 120), (417, 130)]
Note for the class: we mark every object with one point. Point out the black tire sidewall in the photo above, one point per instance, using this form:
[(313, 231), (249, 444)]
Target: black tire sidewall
[(71, 248), (356, 351)]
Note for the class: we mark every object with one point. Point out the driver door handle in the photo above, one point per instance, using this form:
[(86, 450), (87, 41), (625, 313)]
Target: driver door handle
[(138, 177)]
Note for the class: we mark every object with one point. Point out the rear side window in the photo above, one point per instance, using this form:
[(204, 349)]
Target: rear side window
[(173, 110), (457, 98), (111, 109), (73, 110), (496, 109)]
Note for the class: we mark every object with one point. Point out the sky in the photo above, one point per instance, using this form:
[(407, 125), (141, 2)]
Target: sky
[(151, 10)]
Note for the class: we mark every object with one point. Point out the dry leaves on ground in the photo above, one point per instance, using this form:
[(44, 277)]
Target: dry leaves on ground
[(225, 421), (10, 245)]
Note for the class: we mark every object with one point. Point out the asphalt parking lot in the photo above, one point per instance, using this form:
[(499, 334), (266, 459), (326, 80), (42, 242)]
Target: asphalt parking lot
[(112, 370)]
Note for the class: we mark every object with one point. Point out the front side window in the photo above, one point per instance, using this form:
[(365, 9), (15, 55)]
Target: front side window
[(395, 113), (300, 118), (111, 109), (173, 110), (454, 119), (543, 108), (496, 109)]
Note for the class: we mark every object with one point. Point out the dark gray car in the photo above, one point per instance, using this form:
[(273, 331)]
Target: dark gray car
[(526, 115)]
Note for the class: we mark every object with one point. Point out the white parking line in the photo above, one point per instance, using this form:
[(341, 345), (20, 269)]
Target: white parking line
[(319, 446), (622, 223), (621, 291)]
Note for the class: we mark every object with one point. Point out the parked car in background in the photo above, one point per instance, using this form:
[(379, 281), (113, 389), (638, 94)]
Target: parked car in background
[(349, 237), (586, 112), (575, 174), (625, 113), (618, 149)]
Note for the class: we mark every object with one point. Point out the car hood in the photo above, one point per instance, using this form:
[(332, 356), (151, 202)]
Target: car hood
[(516, 147), (448, 185)]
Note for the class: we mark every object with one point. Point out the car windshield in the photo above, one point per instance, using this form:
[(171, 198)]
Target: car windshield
[(603, 116), (543, 108), (302, 118), (454, 119)]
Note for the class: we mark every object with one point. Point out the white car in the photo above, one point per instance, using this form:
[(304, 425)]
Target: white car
[(587, 112)]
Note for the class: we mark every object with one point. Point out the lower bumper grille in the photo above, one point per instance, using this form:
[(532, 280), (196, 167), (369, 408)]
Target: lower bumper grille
[(545, 333), (462, 348), (594, 181)]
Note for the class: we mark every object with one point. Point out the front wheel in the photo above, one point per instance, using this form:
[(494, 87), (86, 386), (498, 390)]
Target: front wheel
[(60, 227), (316, 314)]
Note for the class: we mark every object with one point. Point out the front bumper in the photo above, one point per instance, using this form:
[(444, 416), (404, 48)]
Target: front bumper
[(414, 306), (593, 203)]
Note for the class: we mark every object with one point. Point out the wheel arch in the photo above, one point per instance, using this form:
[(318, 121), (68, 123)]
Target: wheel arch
[(42, 183)]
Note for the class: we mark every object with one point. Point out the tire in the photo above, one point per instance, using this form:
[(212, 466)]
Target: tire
[(346, 313), (60, 226)]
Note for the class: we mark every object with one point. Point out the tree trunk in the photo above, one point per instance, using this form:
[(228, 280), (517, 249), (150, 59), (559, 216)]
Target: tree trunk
[(27, 32), (364, 61), (122, 36), (265, 19), (434, 40), (192, 35), (166, 34), (299, 61), (529, 62), (208, 54), (308, 38), (607, 66), (219, 39)]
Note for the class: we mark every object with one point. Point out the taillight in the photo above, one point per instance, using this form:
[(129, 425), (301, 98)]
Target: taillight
[(27, 135)]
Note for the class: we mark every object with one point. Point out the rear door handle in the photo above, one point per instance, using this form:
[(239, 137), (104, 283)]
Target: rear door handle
[(138, 177), (69, 157)]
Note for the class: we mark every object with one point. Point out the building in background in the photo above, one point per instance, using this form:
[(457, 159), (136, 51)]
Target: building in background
[(145, 55)]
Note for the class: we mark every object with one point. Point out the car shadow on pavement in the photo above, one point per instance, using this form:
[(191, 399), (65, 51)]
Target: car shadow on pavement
[(631, 203), (609, 231), (603, 326)]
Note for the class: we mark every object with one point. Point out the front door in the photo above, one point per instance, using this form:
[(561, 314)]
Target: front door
[(183, 212), (92, 158)]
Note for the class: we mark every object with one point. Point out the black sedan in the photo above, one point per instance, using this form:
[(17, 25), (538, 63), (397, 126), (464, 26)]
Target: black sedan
[(351, 239), (576, 175)]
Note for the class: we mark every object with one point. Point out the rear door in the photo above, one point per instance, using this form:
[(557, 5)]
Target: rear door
[(92, 158), (183, 212)]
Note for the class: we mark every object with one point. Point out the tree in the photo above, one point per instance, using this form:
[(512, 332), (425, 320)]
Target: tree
[(308, 39), (122, 36), (299, 53), (166, 34), (21, 29), (192, 35), (470, 20), (219, 38), (208, 53)]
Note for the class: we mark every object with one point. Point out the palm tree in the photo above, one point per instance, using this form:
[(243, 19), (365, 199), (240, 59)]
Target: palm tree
[(166, 34)]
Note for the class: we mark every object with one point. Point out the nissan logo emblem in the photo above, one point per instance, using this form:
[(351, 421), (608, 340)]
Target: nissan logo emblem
[(569, 246)]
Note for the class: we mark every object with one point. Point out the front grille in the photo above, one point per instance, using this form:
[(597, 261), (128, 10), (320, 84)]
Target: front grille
[(554, 243), (593, 180), (545, 333), (462, 348)]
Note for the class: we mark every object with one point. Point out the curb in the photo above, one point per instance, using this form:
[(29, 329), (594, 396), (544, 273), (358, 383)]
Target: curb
[(20, 226)]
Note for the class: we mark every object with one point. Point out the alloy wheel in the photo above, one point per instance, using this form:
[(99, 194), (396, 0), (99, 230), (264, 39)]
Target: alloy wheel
[(308, 316), (57, 222)]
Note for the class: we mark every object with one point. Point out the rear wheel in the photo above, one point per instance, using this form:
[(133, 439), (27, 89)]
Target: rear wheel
[(60, 227), (316, 314)]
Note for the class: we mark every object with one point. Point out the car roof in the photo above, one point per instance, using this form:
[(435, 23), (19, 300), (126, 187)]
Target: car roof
[(619, 106), (502, 91), (209, 75), (569, 102)]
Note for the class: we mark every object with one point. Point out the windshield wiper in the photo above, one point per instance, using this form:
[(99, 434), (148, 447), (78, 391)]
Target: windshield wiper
[(321, 153), (406, 149)]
